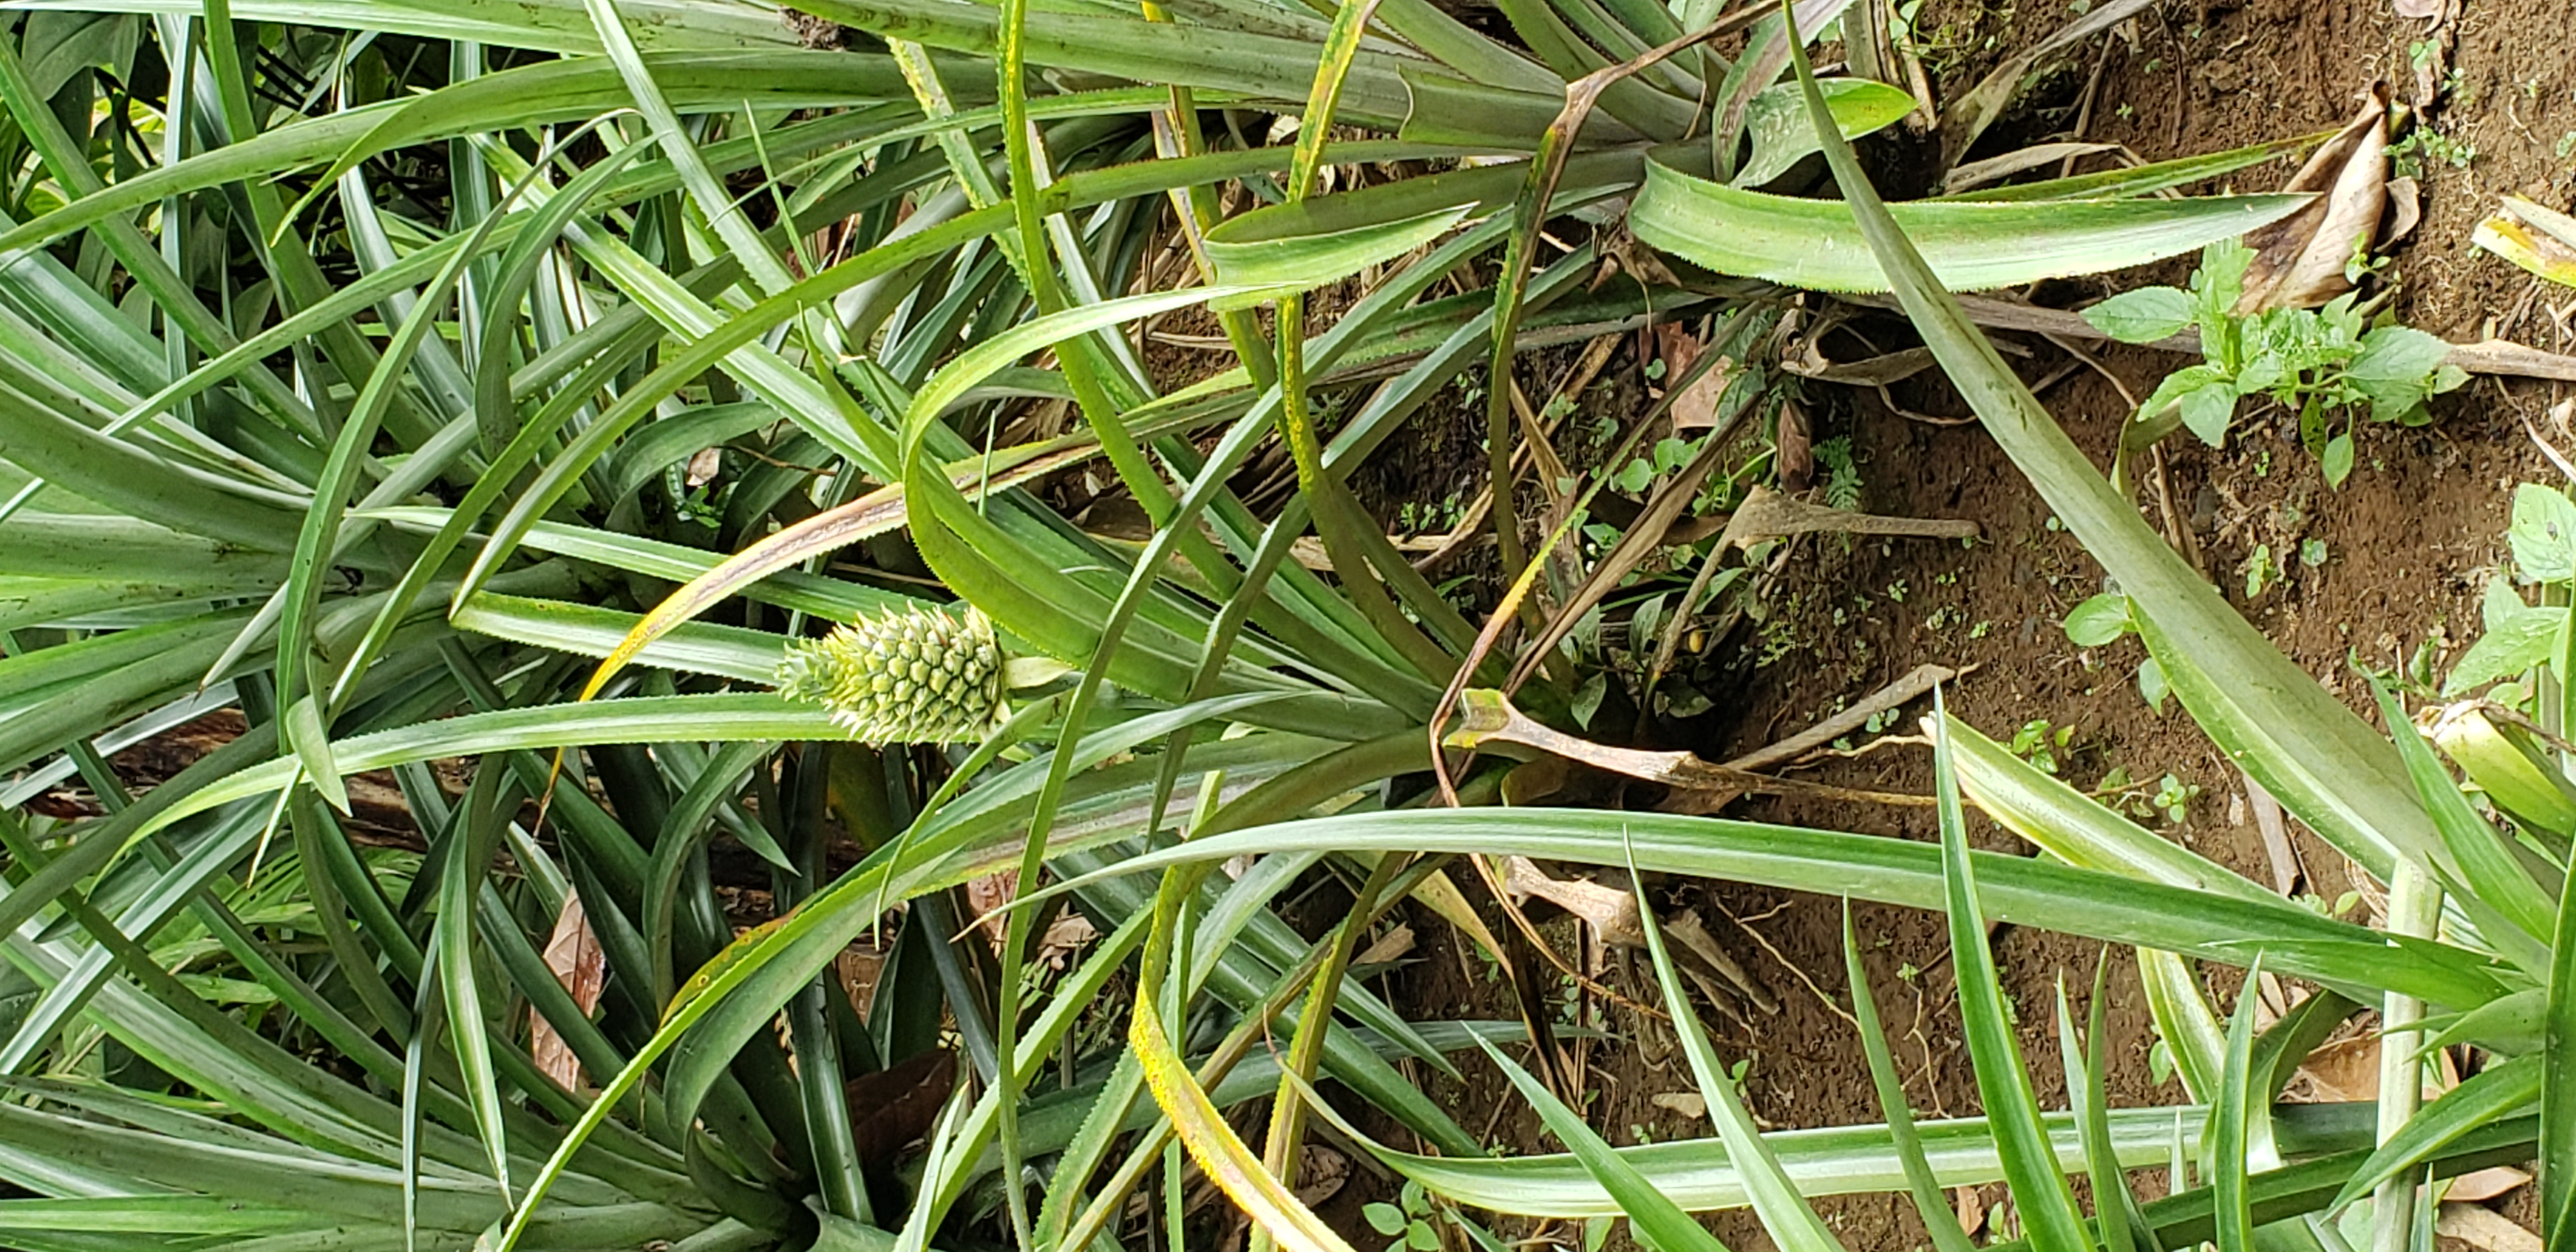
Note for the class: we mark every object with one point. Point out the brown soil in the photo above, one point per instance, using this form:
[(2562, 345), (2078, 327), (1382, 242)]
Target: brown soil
[(2408, 544)]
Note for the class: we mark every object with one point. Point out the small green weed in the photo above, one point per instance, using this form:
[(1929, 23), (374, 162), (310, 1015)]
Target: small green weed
[(2039, 743), (1842, 473), (2322, 364), (1410, 1224), (2425, 148)]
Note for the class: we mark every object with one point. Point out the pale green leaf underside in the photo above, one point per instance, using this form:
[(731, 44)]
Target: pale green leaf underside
[(1971, 246)]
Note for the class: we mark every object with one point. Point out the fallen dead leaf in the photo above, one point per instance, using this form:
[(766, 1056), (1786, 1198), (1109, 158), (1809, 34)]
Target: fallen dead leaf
[(1794, 457), (2480, 1186), (1696, 407), (987, 894), (1687, 930), (858, 967), (1610, 912), (703, 466), (1392, 945), (1320, 1175), (1995, 169), (2299, 261), (1970, 1208), (2419, 8), (2405, 209), (2482, 1227), (2345, 1071), (1487, 717), (573, 955), (1064, 936), (1689, 1104)]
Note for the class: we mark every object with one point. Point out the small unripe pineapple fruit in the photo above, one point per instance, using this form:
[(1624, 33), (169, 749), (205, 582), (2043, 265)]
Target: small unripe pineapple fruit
[(924, 675)]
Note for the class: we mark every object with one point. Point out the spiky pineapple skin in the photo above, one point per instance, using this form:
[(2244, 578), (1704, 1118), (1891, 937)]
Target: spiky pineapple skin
[(928, 675)]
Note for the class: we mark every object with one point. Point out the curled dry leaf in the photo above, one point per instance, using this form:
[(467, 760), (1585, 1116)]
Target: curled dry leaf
[(1611, 913), (2342, 1071), (1793, 448), (857, 968), (1686, 929), (2405, 210), (1486, 717), (573, 955), (2299, 261), (1970, 1208)]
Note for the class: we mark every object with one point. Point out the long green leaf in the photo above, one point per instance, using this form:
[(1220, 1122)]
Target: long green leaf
[(1970, 246), (1894, 871), (1784, 1213), (2031, 1165), (2558, 1082), (1652, 1216)]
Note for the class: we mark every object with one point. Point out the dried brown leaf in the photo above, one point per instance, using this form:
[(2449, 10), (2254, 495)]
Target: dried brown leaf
[(985, 897), (1687, 1103), (1686, 929), (2481, 1227), (1064, 936), (1970, 1208), (2405, 209), (2344, 1071), (1995, 169), (1794, 448), (2299, 261), (1609, 911), (1320, 1175), (1391, 946), (1487, 717), (1696, 407), (572, 954), (2479, 1186)]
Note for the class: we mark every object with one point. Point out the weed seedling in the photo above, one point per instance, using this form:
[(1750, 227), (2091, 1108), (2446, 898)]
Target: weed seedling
[(2038, 743), (2322, 364), (1842, 473), (1410, 1224)]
